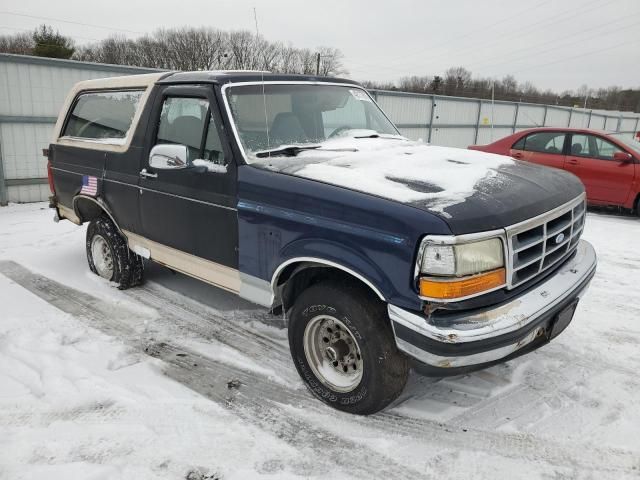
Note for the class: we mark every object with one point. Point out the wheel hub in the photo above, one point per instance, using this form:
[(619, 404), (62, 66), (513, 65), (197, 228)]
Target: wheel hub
[(333, 353), (102, 257), (337, 350)]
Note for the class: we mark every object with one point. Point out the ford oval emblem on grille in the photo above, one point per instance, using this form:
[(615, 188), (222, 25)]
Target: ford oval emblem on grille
[(559, 238)]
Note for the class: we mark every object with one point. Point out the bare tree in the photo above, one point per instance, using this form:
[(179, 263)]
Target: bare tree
[(331, 61), (20, 44)]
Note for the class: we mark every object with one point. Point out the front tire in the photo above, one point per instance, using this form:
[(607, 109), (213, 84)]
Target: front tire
[(109, 256), (344, 349)]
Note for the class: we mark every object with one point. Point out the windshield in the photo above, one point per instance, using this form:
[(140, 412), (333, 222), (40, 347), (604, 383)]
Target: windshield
[(302, 115), (627, 140)]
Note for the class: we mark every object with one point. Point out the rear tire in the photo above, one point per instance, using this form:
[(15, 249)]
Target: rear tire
[(109, 256), (344, 349)]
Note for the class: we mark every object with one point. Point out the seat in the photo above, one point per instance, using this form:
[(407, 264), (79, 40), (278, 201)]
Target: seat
[(576, 149), (286, 129), (185, 130)]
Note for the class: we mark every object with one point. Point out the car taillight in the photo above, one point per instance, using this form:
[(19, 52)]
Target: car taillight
[(50, 176)]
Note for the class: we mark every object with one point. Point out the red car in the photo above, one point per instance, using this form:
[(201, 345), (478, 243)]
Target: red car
[(608, 164)]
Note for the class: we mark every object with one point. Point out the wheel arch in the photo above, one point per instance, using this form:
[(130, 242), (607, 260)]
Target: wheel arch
[(89, 208), (309, 270)]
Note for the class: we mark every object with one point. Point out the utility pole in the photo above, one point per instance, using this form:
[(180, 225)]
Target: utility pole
[(220, 57), (493, 99), (585, 107), (318, 64)]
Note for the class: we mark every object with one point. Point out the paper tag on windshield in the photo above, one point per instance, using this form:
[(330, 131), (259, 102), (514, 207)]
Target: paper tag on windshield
[(360, 95)]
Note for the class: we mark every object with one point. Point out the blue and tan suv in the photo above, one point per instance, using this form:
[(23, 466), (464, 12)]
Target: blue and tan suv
[(297, 193)]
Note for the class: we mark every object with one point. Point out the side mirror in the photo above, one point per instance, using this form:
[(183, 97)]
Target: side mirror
[(623, 157), (169, 157)]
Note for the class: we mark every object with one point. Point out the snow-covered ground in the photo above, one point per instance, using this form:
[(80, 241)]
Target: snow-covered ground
[(177, 379)]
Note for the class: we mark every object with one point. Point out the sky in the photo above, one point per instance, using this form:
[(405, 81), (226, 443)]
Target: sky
[(553, 44)]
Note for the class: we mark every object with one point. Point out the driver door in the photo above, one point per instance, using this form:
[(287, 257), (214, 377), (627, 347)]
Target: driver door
[(188, 206)]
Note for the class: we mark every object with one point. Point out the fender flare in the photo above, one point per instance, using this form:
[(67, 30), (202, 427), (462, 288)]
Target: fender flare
[(100, 203), (322, 262)]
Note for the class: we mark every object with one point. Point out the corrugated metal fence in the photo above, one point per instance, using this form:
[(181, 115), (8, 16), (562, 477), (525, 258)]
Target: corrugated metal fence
[(33, 89), (460, 122)]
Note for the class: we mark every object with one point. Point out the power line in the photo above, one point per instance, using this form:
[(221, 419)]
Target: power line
[(22, 30), (529, 28), (577, 56), (588, 31), (70, 22), (556, 47), (532, 28), (471, 33)]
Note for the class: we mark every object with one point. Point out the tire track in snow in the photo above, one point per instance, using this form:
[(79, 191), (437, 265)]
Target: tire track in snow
[(180, 313), (257, 399)]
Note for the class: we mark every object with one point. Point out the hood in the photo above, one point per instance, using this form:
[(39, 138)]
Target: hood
[(472, 191)]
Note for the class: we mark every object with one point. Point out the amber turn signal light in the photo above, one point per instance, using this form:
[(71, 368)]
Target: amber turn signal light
[(450, 289)]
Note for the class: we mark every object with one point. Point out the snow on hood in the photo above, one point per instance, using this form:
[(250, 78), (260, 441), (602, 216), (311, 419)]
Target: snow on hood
[(394, 168)]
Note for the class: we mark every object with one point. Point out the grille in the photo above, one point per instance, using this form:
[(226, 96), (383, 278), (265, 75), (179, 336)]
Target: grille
[(540, 243)]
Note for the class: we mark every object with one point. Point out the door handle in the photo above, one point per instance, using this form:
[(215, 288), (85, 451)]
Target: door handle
[(517, 155), (572, 161), (144, 173)]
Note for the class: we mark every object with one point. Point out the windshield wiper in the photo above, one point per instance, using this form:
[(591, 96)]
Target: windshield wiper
[(293, 150), (289, 151), (385, 136)]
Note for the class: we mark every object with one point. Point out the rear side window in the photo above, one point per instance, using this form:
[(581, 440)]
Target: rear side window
[(103, 115), (542, 142)]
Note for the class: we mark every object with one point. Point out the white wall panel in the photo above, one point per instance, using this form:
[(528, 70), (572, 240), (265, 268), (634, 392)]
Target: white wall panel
[(611, 123), (22, 145), (557, 117), (39, 90), (530, 115), (503, 114), (485, 135), (421, 134), (455, 112), (413, 109), (579, 119), (453, 137), (28, 193), (628, 124), (597, 122)]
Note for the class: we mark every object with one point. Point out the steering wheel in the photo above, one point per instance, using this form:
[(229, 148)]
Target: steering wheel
[(339, 129)]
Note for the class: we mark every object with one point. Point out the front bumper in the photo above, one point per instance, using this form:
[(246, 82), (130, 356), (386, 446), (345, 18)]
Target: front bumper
[(483, 336)]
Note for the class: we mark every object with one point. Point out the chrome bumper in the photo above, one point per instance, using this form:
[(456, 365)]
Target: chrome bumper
[(465, 339)]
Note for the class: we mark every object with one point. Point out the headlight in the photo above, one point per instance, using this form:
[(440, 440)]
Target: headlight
[(464, 259), (450, 272)]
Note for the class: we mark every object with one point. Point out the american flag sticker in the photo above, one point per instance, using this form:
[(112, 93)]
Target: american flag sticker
[(89, 185)]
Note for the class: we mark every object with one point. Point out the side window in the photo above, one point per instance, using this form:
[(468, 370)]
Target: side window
[(605, 149), (103, 115), (543, 142), (213, 151), (519, 145), (188, 121), (582, 145)]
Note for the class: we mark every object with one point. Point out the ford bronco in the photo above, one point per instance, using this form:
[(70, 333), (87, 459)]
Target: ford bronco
[(298, 193)]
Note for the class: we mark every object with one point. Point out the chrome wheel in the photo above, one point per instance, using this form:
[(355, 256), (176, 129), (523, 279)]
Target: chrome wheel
[(333, 353), (102, 257)]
